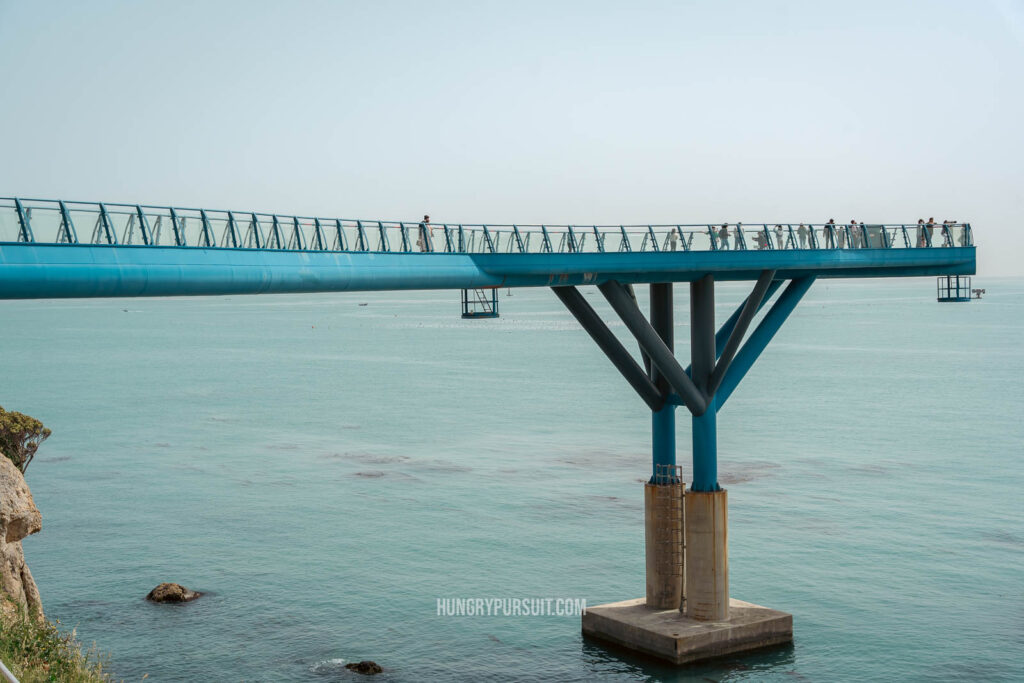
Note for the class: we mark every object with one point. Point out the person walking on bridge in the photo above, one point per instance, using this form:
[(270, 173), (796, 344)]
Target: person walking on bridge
[(780, 240), (830, 234), (425, 241), (801, 233), (723, 236)]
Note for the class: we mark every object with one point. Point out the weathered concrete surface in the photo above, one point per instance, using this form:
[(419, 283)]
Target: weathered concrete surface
[(663, 541), (19, 517), (667, 634), (707, 555)]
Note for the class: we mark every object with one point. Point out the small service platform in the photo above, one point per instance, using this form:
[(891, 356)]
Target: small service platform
[(668, 635), (953, 288)]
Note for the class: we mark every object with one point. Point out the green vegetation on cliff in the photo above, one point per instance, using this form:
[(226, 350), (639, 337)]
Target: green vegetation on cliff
[(32, 648), (35, 651), (20, 437)]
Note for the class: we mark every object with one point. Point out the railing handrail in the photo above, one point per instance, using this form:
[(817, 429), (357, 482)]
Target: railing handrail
[(222, 214), (121, 224)]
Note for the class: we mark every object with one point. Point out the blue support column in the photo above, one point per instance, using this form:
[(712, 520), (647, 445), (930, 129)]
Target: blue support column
[(723, 334), (702, 355), (663, 437), (663, 422), (705, 450)]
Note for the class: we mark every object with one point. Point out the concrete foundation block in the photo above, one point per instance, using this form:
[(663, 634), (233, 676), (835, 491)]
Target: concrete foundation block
[(670, 636)]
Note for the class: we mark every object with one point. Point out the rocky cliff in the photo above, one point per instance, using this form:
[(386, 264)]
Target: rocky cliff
[(19, 517)]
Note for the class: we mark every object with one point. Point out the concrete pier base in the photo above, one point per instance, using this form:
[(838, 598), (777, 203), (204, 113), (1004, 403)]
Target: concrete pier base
[(668, 635), (663, 525), (707, 555)]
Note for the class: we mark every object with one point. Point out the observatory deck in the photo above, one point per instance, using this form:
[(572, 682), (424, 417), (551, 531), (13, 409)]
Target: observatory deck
[(52, 248)]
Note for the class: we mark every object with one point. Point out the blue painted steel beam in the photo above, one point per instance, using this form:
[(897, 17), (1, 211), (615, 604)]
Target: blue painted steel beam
[(278, 236), (40, 271), (232, 230), (254, 226), (107, 223), (643, 354), (662, 357), (663, 422), (35, 270), (724, 332), (24, 223), (67, 226), (206, 230), (147, 237), (704, 437), (178, 229), (747, 313), (759, 339), (704, 433), (532, 270)]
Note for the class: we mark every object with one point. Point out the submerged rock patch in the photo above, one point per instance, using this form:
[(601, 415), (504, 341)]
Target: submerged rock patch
[(364, 667)]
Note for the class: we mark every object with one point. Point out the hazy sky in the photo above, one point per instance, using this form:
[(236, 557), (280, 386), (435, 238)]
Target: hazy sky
[(581, 112)]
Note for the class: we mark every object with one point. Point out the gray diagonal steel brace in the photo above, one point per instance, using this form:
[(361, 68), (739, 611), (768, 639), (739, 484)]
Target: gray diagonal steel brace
[(650, 341), (743, 321), (760, 337), (609, 343), (643, 354), (722, 336)]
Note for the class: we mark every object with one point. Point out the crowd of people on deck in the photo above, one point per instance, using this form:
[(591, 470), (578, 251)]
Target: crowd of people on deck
[(832, 235)]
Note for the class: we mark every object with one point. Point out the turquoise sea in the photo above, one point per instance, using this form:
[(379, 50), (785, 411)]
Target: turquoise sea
[(327, 470)]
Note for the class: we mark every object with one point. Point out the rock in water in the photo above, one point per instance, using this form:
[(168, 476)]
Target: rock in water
[(365, 667), (19, 517), (171, 592)]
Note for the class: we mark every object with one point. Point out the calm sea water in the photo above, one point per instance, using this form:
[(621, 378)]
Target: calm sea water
[(327, 471)]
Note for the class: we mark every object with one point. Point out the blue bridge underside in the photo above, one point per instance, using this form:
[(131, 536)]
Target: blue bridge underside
[(37, 270)]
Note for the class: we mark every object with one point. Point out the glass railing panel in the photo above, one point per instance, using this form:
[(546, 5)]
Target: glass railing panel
[(47, 225), (502, 240), (217, 228), (122, 220), (613, 239), (8, 222), (635, 240), (964, 238), (799, 236), (559, 236), (586, 242), (697, 238), (45, 222)]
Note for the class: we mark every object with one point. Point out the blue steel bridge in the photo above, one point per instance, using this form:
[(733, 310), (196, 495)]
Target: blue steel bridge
[(52, 248), (76, 249)]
